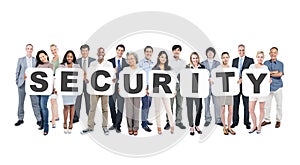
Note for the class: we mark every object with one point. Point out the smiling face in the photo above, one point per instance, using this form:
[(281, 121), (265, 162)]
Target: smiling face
[(101, 54), (54, 50), (163, 59), (131, 60), (84, 52), (176, 52), (29, 50), (43, 57), (241, 51), (260, 58), (273, 54), (120, 52), (69, 58), (225, 59), (210, 54), (148, 53), (194, 59)]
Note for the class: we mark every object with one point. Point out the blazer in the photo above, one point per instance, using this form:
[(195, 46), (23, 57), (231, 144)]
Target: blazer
[(215, 64), (246, 64), (21, 68), (90, 59), (113, 61)]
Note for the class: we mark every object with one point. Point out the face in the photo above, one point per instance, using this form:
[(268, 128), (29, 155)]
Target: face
[(29, 50), (260, 58), (210, 54), (241, 50), (225, 59), (43, 57), (176, 52), (273, 54), (54, 50), (163, 59), (148, 53), (101, 54), (69, 58), (120, 52), (84, 52), (131, 60), (195, 59)]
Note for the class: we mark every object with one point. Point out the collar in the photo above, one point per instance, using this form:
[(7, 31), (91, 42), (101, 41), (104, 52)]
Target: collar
[(145, 60), (274, 61)]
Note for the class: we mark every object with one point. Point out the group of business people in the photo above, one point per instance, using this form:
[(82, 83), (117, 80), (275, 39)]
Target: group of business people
[(174, 63)]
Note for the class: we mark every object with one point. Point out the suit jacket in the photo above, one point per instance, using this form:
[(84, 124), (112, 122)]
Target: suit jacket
[(215, 64), (21, 68), (113, 61), (246, 64), (90, 59)]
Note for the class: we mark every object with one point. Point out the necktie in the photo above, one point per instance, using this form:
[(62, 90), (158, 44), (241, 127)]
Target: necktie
[(84, 65), (240, 66), (119, 65)]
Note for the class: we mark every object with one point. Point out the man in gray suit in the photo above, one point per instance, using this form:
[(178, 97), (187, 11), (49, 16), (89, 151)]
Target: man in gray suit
[(210, 64), (23, 63), (84, 63)]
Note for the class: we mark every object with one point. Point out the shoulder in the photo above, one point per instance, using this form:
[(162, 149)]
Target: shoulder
[(111, 59), (249, 58), (92, 59)]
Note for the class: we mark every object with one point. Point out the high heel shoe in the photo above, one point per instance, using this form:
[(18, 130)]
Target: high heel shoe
[(258, 131), (172, 130), (253, 130), (192, 131), (159, 130), (198, 130), (65, 128), (225, 131), (70, 128), (45, 133), (231, 131)]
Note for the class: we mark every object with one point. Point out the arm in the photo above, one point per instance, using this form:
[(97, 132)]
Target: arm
[(18, 71), (276, 74)]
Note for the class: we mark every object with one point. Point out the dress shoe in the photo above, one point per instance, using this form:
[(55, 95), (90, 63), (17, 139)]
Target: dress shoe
[(19, 122), (167, 126), (41, 127), (118, 130), (265, 123), (248, 126), (135, 132), (206, 123), (112, 128), (198, 130), (75, 121), (85, 131), (253, 130), (39, 123), (147, 129), (220, 124), (192, 133), (233, 125), (149, 123), (180, 125), (277, 125), (105, 130)]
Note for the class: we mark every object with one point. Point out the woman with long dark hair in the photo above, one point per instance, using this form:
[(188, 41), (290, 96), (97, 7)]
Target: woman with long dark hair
[(69, 61), (42, 61)]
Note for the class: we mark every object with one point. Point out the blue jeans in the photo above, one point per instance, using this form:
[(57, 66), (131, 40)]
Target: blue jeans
[(44, 111), (146, 103)]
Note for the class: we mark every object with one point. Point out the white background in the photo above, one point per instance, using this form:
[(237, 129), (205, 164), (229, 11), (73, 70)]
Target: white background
[(257, 24)]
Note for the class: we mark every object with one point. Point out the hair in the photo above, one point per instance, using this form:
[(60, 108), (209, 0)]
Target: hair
[(148, 47), (194, 53), (260, 52), (134, 55), (241, 45), (38, 60), (65, 57), (120, 45), (167, 67), (28, 45), (225, 53), (210, 49), (100, 48), (174, 47), (274, 48), (53, 45), (85, 46)]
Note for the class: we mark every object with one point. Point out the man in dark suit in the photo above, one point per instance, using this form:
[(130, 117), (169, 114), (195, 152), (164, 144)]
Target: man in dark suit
[(242, 62), (84, 62), (118, 63)]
